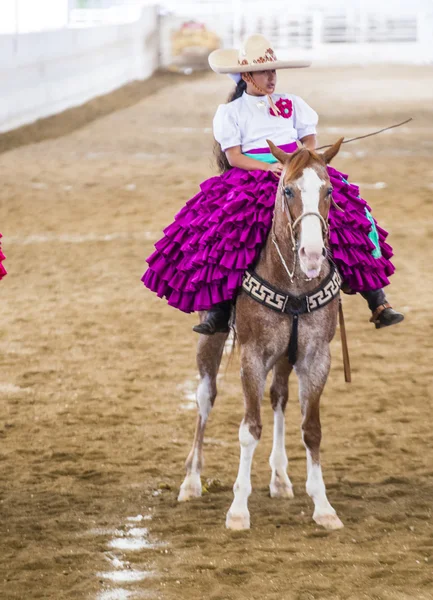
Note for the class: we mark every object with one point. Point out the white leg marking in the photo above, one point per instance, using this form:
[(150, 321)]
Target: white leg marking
[(324, 514), (238, 516), (280, 486), (191, 486), (204, 398)]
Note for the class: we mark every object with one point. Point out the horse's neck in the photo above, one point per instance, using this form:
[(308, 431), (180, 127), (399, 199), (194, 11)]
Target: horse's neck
[(270, 266)]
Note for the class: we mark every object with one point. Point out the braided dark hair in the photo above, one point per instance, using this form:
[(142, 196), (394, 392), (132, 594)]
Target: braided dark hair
[(238, 91), (220, 156)]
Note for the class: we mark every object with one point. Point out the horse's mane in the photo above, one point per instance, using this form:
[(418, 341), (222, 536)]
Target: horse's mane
[(300, 160)]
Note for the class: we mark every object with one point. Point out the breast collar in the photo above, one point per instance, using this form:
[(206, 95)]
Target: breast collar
[(264, 293)]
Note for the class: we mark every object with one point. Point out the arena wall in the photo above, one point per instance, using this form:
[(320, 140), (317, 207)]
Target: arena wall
[(44, 73)]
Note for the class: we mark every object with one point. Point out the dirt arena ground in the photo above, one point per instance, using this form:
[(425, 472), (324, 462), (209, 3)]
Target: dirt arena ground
[(97, 375)]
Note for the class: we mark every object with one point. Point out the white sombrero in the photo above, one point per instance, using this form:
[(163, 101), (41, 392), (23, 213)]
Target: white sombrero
[(256, 54)]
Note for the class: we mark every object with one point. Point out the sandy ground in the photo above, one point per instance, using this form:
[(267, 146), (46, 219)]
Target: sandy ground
[(97, 374)]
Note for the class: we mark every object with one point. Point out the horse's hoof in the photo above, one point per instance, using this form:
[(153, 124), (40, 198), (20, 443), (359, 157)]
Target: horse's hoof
[(280, 490), (189, 489), (329, 522), (238, 522)]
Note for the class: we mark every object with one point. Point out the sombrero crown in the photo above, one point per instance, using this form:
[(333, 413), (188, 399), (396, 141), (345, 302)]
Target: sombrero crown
[(256, 54)]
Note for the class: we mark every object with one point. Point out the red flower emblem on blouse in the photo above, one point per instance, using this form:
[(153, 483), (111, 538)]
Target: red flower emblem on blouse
[(285, 107)]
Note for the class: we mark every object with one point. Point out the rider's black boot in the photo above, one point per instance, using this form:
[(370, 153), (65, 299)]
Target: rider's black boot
[(383, 313), (216, 320)]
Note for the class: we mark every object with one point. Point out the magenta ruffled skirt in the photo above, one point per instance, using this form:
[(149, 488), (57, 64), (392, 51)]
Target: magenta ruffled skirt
[(219, 233), (2, 257)]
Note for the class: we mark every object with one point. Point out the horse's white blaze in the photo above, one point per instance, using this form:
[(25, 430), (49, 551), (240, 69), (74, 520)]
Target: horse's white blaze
[(316, 489), (204, 398), (238, 516), (280, 483), (311, 241)]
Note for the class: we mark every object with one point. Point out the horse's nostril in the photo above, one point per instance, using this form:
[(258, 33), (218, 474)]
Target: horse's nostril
[(313, 255)]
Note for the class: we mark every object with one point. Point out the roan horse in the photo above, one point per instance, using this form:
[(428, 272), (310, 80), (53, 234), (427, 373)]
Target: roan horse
[(298, 239)]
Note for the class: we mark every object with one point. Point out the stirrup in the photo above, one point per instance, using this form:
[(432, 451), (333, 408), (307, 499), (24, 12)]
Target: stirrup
[(207, 329), (216, 321), (379, 316)]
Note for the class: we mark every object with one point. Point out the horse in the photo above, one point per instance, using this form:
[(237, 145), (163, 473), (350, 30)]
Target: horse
[(278, 328)]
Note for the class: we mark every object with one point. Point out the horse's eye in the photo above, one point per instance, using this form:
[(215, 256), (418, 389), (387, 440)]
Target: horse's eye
[(288, 192), (329, 191)]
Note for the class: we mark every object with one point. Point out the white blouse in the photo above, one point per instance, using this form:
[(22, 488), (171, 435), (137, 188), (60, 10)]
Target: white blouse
[(247, 122)]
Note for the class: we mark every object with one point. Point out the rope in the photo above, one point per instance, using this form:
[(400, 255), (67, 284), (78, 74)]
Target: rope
[(361, 137), (283, 262), (274, 108), (344, 346)]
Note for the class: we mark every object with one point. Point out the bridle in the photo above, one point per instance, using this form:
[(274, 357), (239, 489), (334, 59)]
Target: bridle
[(265, 293), (291, 226)]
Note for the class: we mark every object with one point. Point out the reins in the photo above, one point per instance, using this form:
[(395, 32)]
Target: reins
[(344, 344), (362, 137), (291, 226), (293, 342)]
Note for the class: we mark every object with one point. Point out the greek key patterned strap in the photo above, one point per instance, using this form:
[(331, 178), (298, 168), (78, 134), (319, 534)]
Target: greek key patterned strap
[(264, 293), (326, 294)]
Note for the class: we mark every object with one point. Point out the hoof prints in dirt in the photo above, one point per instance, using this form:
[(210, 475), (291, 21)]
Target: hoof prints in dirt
[(129, 538)]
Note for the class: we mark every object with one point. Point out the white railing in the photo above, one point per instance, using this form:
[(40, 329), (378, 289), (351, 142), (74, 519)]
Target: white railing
[(105, 12), (345, 37), (375, 28), (315, 26), (89, 17)]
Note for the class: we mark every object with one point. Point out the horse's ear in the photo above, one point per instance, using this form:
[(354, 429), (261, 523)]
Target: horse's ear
[(329, 153), (279, 154)]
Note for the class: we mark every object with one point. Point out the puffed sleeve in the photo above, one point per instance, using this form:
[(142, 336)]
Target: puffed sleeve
[(304, 118), (225, 127)]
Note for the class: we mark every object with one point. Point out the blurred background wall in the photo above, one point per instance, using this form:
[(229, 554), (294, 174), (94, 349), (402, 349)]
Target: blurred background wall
[(55, 54), (45, 72)]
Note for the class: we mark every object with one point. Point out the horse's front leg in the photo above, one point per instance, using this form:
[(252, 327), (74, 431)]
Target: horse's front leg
[(280, 486), (253, 376), (312, 373), (209, 353)]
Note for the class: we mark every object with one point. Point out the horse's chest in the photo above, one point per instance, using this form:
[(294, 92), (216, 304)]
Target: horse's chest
[(270, 332)]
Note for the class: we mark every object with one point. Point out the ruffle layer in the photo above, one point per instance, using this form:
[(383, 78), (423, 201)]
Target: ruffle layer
[(3, 271), (349, 242), (219, 233)]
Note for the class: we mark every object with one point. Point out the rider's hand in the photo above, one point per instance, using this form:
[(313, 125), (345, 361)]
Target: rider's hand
[(276, 168)]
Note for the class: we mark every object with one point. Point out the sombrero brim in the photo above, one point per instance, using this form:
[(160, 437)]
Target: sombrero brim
[(226, 61)]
